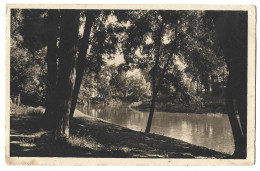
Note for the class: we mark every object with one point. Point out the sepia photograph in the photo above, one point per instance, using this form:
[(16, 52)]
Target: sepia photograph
[(128, 82)]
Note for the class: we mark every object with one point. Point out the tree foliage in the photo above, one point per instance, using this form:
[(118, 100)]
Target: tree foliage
[(171, 49), (27, 68), (164, 41)]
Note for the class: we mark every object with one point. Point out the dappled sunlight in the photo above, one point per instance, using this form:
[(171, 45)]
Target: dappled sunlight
[(85, 142)]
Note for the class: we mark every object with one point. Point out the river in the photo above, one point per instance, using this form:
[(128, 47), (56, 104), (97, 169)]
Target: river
[(208, 130)]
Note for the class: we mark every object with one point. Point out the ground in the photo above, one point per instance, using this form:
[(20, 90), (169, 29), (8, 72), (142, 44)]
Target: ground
[(92, 137)]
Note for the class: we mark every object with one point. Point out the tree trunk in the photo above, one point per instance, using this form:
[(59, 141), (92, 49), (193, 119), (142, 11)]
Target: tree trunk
[(210, 84), (241, 102), (19, 99), (154, 79), (157, 78), (51, 59), (66, 75), (197, 89), (156, 88), (89, 102), (237, 134), (232, 33), (90, 18), (242, 110), (207, 84), (149, 122), (126, 92)]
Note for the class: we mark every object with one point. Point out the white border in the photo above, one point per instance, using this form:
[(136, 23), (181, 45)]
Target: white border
[(2, 52)]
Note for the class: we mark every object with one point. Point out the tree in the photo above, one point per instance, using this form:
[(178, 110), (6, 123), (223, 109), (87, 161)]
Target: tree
[(119, 82), (138, 88), (27, 65), (162, 38), (153, 25), (87, 89), (84, 44), (40, 33), (231, 29), (52, 27), (66, 75), (200, 53), (103, 41), (42, 29)]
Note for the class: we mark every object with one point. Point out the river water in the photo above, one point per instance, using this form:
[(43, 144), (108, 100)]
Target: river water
[(209, 130)]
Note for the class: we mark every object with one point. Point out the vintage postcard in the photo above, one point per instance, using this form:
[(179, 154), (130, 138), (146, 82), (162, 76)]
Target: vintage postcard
[(130, 84)]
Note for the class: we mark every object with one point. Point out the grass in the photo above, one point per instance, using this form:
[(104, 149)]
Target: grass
[(84, 142), (91, 137)]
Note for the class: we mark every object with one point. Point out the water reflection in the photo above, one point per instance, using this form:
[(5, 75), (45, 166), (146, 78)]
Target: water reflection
[(209, 130)]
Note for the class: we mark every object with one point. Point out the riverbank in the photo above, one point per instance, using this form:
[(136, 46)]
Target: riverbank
[(181, 108), (92, 137)]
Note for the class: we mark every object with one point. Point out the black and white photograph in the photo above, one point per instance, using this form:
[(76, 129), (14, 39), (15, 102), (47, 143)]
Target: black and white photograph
[(121, 82)]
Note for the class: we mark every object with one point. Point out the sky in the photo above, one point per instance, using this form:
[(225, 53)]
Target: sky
[(119, 59)]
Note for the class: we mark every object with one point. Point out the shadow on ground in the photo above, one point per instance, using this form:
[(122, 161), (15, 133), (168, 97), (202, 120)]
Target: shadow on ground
[(90, 137)]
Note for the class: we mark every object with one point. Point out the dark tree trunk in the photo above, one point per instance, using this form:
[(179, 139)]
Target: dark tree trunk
[(242, 110), (90, 18), (231, 29), (158, 77), (149, 122), (207, 85), (237, 134), (155, 76), (66, 74), (156, 88), (51, 59)]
